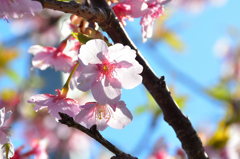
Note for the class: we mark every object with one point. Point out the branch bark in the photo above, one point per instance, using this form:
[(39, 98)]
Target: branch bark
[(105, 17), (92, 132)]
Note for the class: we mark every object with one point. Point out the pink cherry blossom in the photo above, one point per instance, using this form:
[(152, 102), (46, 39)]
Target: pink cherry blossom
[(39, 148), (18, 8), (107, 70), (155, 10), (130, 9), (103, 116), (55, 104), (4, 133), (60, 58)]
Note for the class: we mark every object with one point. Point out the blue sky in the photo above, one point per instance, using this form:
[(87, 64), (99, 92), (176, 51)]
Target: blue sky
[(198, 61)]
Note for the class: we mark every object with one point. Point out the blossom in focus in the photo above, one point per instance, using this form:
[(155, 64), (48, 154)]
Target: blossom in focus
[(107, 70), (17, 8), (5, 143), (55, 104), (154, 11), (45, 57), (117, 116)]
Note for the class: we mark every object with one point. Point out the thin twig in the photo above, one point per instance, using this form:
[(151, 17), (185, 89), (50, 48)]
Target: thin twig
[(92, 132)]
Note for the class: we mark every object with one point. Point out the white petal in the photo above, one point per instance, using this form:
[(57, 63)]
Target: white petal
[(129, 77), (122, 117), (2, 114), (92, 51), (35, 49), (119, 53)]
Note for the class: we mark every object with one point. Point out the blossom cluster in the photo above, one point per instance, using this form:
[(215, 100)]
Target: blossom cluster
[(93, 65), (147, 10)]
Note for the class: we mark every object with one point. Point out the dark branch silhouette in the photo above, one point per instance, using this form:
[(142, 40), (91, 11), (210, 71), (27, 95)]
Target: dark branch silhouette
[(107, 20), (92, 132)]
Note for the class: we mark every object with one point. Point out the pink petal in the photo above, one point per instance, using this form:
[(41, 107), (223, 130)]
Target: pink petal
[(7, 115), (90, 52), (41, 101), (69, 108), (62, 63), (3, 138), (86, 116), (35, 49), (18, 8), (42, 60), (102, 124), (87, 77), (122, 117), (107, 91), (129, 77), (118, 53)]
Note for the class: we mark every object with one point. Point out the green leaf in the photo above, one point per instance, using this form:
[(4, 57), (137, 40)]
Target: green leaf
[(13, 75), (140, 109), (81, 37), (220, 92), (173, 40)]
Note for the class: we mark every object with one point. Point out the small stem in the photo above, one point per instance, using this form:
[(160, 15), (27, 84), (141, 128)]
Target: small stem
[(66, 85)]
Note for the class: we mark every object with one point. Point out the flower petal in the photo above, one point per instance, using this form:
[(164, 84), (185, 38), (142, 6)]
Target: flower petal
[(69, 108), (87, 77), (2, 114), (86, 116), (89, 53), (122, 116), (118, 53), (129, 77), (107, 91)]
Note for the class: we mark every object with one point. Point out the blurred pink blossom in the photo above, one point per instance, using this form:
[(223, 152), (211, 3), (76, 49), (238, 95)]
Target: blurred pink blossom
[(17, 8), (103, 116), (154, 11), (60, 58), (55, 104), (107, 70), (39, 148), (130, 9)]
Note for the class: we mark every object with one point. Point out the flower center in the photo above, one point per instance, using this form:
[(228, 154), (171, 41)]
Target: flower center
[(103, 112), (106, 69)]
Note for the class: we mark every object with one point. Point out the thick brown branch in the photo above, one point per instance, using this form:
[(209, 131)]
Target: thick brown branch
[(90, 14), (107, 20), (92, 132)]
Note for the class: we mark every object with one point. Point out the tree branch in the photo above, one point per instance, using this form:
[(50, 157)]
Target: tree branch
[(107, 20), (92, 132)]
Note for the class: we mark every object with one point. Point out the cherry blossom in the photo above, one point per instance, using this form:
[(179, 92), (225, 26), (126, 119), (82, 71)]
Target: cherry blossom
[(18, 8), (130, 9), (4, 133), (38, 150), (107, 70), (148, 10), (55, 104), (154, 11), (60, 58), (103, 116)]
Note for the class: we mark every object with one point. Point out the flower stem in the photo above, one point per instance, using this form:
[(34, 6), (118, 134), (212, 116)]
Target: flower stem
[(66, 85)]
